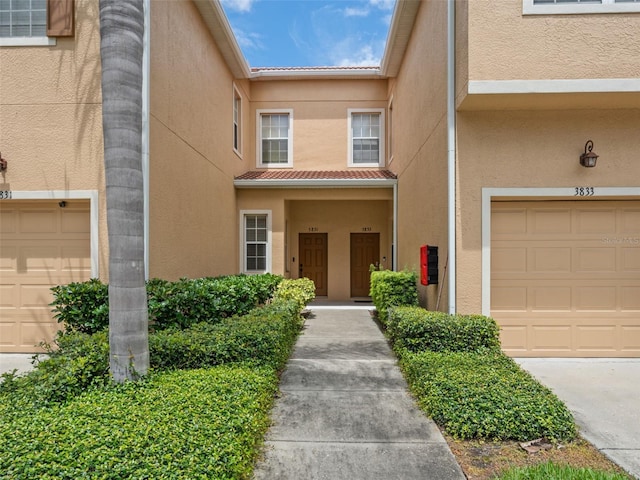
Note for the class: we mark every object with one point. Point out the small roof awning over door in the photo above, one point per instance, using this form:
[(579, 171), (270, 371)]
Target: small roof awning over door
[(316, 178)]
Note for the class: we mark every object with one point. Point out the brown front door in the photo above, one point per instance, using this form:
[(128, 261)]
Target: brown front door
[(313, 260), (365, 250)]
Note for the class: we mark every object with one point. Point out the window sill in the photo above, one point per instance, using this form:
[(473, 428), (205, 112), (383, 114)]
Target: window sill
[(27, 42), (620, 7)]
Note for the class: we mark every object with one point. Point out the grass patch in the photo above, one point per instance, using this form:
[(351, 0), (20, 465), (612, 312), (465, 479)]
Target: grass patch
[(552, 471)]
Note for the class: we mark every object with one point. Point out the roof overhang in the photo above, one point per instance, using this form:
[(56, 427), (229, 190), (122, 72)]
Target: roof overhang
[(316, 179), (404, 16), (217, 23)]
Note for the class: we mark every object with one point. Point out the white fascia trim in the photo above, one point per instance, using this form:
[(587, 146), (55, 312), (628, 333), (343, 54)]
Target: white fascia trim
[(579, 85), (319, 183), (27, 41), (269, 214), (562, 193), (607, 6), (305, 73), (91, 195)]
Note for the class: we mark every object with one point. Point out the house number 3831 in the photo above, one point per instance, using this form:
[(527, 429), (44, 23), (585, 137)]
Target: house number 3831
[(584, 191)]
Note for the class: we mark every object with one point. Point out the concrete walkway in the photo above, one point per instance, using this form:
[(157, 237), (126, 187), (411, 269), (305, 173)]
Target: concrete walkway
[(345, 411), (604, 396)]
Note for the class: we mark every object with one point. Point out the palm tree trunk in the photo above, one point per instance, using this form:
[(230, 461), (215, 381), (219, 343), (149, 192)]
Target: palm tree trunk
[(121, 49)]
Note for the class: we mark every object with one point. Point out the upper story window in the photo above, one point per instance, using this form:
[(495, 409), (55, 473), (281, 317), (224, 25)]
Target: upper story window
[(35, 22), (237, 121), (274, 138), (550, 7), (366, 137)]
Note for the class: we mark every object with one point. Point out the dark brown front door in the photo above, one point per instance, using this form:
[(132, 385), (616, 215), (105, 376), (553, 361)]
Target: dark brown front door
[(313, 260), (365, 250)]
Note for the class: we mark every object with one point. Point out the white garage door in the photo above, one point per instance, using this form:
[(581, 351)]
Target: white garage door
[(41, 245), (565, 277)]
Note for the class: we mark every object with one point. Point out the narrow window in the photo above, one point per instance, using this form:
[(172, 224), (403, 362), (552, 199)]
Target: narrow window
[(237, 121), (256, 242), (366, 138), (274, 138)]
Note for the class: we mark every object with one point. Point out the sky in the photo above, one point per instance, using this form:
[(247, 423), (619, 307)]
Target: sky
[(310, 33)]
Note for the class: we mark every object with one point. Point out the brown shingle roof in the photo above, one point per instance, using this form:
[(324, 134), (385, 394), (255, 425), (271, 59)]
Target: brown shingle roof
[(317, 175)]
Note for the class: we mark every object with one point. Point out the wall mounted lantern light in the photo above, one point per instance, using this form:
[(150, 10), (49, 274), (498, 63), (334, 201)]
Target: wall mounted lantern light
[(588, 158), (3, 163)]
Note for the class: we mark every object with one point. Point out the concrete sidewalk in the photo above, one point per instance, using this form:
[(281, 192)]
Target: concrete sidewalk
[(604, 396), (345, 411)]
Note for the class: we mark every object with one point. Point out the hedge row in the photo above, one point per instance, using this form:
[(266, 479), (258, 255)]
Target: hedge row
[(84, 306), (461, 378), (417, 329), (485, 395), (197, 424), (265, 336)]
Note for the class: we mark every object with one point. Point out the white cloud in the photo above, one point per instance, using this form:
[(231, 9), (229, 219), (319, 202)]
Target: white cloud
[(238, 5), (363, 57), (383, 4), (249, 41), (356, 12)]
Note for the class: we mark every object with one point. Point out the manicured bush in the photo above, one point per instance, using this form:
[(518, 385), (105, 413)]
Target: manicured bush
[(485, 395), (417, 329), (82, 306), (265, 336), (301, 290), (390, 289), (76, 362), (199, 424)]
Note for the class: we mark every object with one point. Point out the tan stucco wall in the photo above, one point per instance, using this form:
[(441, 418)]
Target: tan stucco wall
[(420, 145), (51, 117), (192, 163), (549, 46), (320, 114), (337, 212), (533, 149)]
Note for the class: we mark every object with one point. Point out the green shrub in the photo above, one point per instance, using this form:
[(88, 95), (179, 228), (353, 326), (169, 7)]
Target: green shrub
[(390, 289), (76, 362), (485, 395), (301, 290), (199, 424), (265, 336), (82, 306), (417, 330)]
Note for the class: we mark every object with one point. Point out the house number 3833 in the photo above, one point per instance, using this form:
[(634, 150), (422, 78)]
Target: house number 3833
[(584, 191)]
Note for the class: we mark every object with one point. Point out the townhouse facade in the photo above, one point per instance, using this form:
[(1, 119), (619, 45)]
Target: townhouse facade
[(467, 137)]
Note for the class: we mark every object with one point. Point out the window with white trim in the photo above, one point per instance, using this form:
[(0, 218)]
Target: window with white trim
[(237, 121), (35, 22), (366, 137), (256, 241), (274, 138), (23, 18), (563, 7)]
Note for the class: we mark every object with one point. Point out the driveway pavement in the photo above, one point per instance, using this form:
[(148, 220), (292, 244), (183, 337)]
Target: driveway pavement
[(604, 396)]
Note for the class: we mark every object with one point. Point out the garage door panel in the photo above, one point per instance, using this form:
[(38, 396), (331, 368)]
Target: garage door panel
[(504, 259), (42, 245), (592, 259), (547, 221), (578, 292), (630, 221), (601, 221), (38, 221), (551, 259)]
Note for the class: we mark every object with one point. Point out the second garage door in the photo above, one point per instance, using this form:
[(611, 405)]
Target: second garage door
[(565, 277), (42, 244)]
